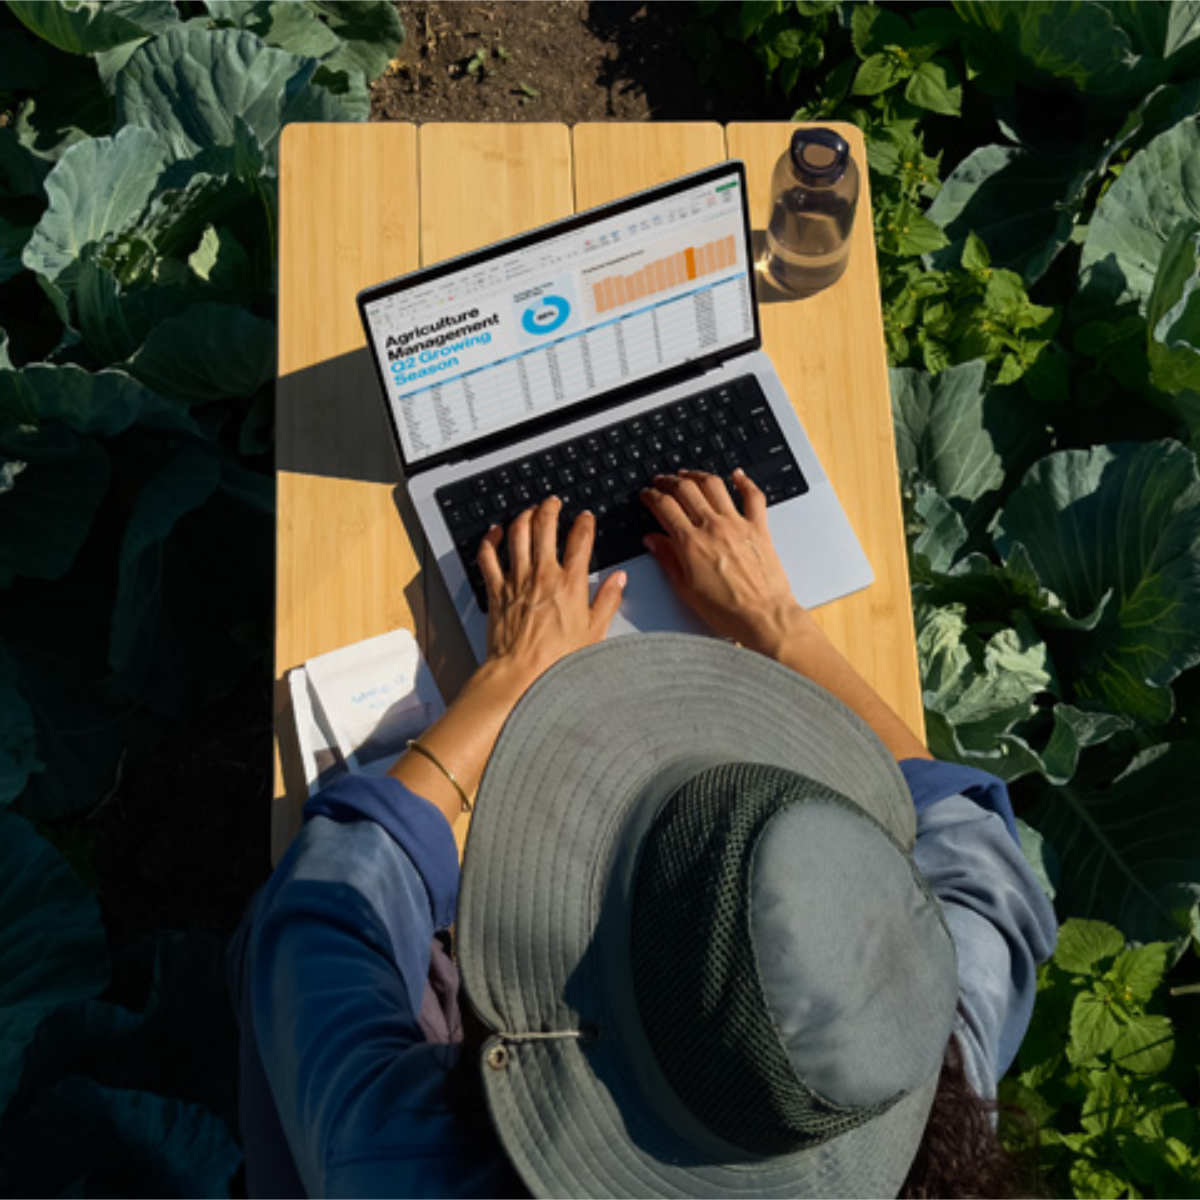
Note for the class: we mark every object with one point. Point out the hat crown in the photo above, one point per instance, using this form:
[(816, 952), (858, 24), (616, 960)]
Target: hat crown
[(782, 1023)]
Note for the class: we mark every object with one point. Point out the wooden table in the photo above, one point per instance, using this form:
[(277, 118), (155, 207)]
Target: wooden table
[(361, 203)]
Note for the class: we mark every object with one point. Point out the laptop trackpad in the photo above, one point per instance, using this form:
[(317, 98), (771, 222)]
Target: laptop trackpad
[(649, 604)]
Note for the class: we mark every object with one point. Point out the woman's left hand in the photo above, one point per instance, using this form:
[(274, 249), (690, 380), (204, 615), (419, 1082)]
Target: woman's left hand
[(538, 612)]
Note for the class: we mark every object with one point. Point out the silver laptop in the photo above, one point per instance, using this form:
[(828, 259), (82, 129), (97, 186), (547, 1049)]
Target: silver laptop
[(582, 358)]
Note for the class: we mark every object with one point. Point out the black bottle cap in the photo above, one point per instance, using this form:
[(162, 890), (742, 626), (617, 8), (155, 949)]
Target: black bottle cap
[(819, 156)]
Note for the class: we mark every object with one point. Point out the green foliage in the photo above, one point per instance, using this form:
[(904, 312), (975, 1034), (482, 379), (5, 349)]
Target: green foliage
[(52, 945), (1042, 322), (1109, 1107), (137, 234)]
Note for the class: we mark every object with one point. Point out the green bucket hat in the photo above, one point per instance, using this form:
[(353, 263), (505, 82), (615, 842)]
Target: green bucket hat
[(690, 914)]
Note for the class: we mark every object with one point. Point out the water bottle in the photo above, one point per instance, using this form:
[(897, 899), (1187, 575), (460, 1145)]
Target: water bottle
[(814, 191)]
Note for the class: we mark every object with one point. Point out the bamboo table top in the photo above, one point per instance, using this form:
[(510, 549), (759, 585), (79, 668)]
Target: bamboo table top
[(360, 203)]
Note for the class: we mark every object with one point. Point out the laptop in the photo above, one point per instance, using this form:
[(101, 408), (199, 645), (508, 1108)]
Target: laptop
[(582, 358)]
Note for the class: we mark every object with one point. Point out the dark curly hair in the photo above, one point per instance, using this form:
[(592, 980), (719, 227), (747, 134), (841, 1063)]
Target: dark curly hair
[(960, 1153)]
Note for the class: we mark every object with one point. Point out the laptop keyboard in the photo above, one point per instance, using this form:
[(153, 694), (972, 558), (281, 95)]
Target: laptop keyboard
[(714, 430)]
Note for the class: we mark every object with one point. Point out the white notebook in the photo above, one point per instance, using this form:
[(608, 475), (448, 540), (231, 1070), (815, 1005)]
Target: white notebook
[(357, 706)]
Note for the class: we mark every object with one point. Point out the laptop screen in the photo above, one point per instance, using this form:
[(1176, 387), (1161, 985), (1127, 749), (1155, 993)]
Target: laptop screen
[(625, 294)]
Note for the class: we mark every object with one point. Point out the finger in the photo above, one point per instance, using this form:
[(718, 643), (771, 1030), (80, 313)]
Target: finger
[(667, 512), (578, 550), (519, 552), (489, 563), (664, 554), (754, 503), (687, 495), (714, 490), (606, 602), (545, 533)]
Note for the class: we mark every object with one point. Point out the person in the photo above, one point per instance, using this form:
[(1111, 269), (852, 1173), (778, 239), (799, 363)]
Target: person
[(725, 926)]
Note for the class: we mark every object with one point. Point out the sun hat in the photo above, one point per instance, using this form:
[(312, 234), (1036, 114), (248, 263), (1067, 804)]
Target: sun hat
[(690, 916)]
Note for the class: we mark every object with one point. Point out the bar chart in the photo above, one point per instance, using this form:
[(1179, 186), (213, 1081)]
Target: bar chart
[(664, 273)]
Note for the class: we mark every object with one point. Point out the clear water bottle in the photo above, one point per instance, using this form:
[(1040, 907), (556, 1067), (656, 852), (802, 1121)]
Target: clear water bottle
[(814, 192)]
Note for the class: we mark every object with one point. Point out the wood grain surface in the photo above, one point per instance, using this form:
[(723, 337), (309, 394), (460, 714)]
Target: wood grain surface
[(361, 203), (347, 219), (830, 353)]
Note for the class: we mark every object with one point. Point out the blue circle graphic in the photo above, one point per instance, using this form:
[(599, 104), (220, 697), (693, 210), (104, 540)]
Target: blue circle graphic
[(550, 316)]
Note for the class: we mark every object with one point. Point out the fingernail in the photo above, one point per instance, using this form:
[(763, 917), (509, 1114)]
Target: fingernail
[(648, 544), (738, 471), (621, 577), (493, 527)]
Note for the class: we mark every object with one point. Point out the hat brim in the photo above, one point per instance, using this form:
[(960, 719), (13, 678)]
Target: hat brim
[(591, 750)]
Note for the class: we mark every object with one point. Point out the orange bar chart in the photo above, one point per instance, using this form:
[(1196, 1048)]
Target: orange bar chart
[(663, 273)]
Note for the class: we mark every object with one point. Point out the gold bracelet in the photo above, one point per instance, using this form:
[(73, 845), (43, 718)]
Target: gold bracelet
[(413, 744)]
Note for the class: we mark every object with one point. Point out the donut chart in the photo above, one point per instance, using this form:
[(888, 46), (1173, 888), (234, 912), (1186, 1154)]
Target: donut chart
[(546, 316)]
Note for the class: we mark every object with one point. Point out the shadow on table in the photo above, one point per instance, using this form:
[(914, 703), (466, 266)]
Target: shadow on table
[(764, 289), (330, 420)]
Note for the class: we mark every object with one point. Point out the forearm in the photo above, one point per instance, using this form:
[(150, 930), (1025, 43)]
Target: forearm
[(462, 738), (799, 643)]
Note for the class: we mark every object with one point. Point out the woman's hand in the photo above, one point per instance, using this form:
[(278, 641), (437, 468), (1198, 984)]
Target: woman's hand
[(539, 612), (722, 564)]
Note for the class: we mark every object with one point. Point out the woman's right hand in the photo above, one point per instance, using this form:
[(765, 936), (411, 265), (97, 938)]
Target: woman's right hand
[(720, 562)]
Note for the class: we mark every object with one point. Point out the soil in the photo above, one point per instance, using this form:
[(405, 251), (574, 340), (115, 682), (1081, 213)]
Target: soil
[(564, 60)]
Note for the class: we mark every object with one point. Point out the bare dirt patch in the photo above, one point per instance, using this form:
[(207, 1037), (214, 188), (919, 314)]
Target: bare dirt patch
[(547, 60)]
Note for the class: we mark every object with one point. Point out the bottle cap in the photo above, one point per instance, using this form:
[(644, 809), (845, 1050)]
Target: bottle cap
[(819, 156)]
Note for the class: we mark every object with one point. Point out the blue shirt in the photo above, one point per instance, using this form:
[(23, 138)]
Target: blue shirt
[(347, 1000)]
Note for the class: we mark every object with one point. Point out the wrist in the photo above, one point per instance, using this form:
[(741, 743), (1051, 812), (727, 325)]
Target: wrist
[(781, 630), (502, 679)]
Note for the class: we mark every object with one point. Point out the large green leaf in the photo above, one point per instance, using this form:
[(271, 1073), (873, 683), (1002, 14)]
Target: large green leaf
[(181, 485), (1126, 236), (192, 609), (87, 26), (1075, 40), (168, 1027), (12, 243), (80, 1139), (1021, 203), (1173, 313), (980, 697), (1169, 30), (1130, 850), (100, 187), (99, 402), (18, 746), (940, 431), (46, 515), (369, 34), (208, 352), (193, 85), (358, 37), (52, 944), (974, 691), (1123, 518), (21, 171)]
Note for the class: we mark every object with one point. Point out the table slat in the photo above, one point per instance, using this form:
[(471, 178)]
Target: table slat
[(347, 206), (613, 159), (829, 352), (481, 182)]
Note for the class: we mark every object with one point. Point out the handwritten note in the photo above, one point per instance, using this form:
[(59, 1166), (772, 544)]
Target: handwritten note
[(374, 696)]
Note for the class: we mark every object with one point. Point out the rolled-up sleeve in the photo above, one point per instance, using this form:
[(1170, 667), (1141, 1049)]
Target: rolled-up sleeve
[(1002, 923)]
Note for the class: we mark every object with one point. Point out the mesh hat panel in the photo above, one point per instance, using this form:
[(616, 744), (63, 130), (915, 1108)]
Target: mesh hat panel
[(694, 972)]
